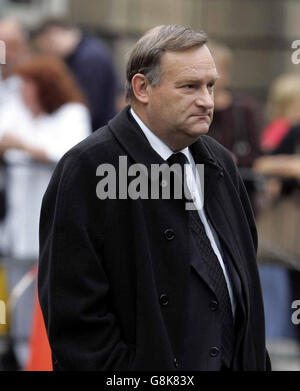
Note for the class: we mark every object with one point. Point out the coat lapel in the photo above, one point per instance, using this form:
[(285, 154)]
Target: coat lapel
[(216, 207)]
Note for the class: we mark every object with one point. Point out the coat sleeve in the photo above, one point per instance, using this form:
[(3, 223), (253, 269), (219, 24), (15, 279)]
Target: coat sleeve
[(268, 362), (73, 287), (225, 158), (252, 226), (248, 210)]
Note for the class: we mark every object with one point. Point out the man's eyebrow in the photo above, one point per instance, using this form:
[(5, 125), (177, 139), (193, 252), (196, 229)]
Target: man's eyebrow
[(191, 79), (215, 77)]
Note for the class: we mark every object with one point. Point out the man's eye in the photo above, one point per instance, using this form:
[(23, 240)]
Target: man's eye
[(189, 86), (210, 85)]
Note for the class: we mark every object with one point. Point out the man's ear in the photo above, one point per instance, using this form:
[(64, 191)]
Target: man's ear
[(140, 86)]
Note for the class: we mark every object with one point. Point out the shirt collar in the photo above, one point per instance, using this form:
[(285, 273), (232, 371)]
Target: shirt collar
[(156, 143)]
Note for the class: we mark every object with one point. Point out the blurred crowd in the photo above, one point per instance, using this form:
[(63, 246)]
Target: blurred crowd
[(266, 147), (58, 85)]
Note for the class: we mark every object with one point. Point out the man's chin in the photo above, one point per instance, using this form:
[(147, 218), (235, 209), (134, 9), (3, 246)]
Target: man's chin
[(200, 129)]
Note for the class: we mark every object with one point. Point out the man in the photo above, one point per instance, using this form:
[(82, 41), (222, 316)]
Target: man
[(144, 283), (89, 60)]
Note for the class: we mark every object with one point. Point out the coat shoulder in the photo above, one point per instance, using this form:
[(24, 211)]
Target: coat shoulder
[(222, 155), (217, 149), (81, 161), (95, 145)]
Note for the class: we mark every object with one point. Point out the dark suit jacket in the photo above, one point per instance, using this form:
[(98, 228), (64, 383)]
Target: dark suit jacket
[(113, 282)]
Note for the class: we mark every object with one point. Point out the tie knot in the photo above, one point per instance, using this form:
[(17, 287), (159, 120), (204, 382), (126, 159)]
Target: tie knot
[(178, 158)]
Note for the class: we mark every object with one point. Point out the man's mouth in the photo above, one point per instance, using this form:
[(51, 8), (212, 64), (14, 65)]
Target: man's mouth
[(202, 116)]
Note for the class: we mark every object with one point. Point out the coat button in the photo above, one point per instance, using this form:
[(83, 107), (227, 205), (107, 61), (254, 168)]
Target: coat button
[(176, 365), (164, 300), (221, 174), (213, 305), (169, 234), (214, 351)]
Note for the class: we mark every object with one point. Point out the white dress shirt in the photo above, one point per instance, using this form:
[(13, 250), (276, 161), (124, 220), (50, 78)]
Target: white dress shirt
[(192, 180)]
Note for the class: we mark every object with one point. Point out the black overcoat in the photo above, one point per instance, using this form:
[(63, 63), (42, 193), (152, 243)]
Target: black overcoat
[(107, 266)]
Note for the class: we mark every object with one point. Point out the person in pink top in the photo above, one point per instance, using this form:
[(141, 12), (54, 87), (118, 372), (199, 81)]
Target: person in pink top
[(283, 110)]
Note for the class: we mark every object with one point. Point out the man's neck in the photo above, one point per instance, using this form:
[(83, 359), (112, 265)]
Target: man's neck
[(174, 145)]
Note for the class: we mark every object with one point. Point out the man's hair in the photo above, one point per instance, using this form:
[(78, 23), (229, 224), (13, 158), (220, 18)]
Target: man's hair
[(146, 54)]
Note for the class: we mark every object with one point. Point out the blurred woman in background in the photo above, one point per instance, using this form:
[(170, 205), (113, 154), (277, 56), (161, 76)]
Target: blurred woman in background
[(60, 119), (283, 110), (278, 223)]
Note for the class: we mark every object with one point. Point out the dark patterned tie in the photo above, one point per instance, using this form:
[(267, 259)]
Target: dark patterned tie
[(214, 268)]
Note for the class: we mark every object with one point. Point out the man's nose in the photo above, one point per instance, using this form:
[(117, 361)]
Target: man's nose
[(205, 99)]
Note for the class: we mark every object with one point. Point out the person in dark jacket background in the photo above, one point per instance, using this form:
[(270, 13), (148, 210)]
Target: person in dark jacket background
[(132, 282), (90, 61)]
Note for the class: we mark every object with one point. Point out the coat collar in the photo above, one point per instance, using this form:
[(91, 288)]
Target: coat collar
[(130, 136)]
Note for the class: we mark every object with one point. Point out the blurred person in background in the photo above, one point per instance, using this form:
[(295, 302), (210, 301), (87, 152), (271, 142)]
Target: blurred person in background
[(236, 122), (282, 166), (90, 61), (280, 140), (281, 134), (12, 110), (60, 119), (283, 110), (14, 37), (280, 282), (16, 50)]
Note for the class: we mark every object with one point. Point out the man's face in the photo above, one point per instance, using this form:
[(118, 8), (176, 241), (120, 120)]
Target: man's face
[(180, 108)]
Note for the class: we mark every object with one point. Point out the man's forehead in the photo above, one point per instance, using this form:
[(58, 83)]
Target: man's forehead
[(189, 62)]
